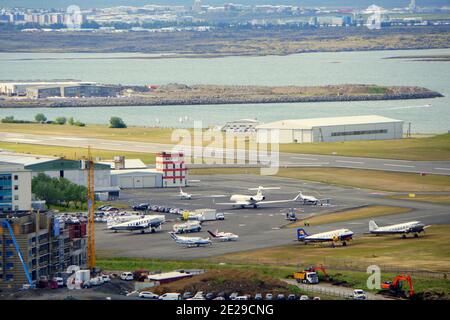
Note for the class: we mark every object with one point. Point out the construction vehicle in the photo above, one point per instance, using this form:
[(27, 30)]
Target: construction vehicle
[(320, 268), (6, 224), (395, 287), (306, 277)]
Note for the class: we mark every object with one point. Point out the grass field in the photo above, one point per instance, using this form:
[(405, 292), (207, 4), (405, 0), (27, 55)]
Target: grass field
[(425, 148), (347, 215), (430, 251), (429, 148), (369, 179), (433, 198), (74, 153)]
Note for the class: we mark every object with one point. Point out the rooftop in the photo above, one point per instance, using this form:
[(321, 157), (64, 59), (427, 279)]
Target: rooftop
[(24, 159), (324, 122)]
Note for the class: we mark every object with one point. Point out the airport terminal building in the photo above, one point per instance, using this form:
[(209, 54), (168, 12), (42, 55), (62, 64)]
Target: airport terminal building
[(334, 129)]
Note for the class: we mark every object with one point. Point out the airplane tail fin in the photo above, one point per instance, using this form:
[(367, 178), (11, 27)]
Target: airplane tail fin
[(173, 235), (212, 234), (301, 234), (298, 196), (372, 225)]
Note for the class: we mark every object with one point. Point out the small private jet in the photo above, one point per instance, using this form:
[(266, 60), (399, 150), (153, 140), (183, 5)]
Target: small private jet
[(148, 222), (184, 195), (415, 227), (241, 200), (311, 200), (340, 235), (224, 236), (190, 241)]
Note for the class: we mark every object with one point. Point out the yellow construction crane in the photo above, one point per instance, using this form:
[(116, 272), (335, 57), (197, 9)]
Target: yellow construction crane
[(91, 207)]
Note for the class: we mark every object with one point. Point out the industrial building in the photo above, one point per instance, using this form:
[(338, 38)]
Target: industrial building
[(73, 170), (173, 169), (47, 244), (241, 126), (19, 88), (334, 129), (15, 187)]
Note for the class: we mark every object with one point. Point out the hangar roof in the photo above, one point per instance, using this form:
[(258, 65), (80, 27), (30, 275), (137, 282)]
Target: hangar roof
[(325, 122)]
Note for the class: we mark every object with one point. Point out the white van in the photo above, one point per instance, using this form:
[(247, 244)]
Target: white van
[(170, 296), (127, 276)]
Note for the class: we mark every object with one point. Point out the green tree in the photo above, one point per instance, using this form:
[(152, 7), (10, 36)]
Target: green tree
[(40, 117), (71, 121), (116, 122), (61, 120)]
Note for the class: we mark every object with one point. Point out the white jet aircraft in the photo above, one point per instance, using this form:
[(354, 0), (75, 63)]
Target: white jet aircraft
[(342, 235), (185, 195), (311, 200), (224, 236), (148, 222), (241, 200), (415, 227), (190, 241)]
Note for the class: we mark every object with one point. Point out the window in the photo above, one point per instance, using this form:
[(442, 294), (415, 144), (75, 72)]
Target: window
[(357, 133), (16, 187), (16, 177), (16, 197)]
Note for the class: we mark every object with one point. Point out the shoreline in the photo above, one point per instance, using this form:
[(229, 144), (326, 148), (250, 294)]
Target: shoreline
[(151, 101)]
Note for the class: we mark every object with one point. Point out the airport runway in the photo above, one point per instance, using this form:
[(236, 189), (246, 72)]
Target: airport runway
[(257, 228), (283, 160)]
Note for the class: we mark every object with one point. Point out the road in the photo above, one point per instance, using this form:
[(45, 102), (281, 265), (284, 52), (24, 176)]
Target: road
[(281, 159), (329, 289)]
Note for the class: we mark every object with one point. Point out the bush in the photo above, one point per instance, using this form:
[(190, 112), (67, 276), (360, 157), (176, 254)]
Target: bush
[(116, 122), (40, 117), (61, 120), (79, 124), (10, 119)]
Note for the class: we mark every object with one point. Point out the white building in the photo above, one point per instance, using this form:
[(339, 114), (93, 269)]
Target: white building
[(15, 187), (136, 178), (241, 126), (330, 129)]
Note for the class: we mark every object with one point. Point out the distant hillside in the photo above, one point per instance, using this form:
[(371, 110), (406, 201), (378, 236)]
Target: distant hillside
[(312, 3)]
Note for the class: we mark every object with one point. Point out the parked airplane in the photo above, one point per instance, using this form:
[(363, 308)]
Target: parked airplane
[(224, 236), (241, 200), (148, 222), (311, 200), (185, 195), (415, 227), (190, 241), (333, 236)]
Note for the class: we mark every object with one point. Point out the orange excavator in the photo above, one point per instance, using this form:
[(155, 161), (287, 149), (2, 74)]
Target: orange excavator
[(320, 268), (395, 287)]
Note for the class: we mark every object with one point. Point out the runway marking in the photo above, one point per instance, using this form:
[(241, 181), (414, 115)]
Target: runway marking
[(72, 139), (448, 169), (313, 159), (242, 225), (347, 161), (397, 165)]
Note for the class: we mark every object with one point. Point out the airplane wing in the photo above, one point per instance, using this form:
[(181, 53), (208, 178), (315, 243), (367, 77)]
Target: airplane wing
[(241, 203), (275, 201)]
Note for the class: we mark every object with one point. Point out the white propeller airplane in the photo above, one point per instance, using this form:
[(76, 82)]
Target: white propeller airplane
[(415, 227), (224, 236), (241, 200), (311, 200), (190, 241), (148, 222), (342, 235)]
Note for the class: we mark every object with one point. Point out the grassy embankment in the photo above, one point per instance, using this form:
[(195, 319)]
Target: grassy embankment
[(433, 198)]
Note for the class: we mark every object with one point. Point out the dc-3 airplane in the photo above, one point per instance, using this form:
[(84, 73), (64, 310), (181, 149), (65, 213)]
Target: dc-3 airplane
[(148, 222), (190, 241), (241, 200), (311, 200), (415, 227), (342, 235), (224, 236)]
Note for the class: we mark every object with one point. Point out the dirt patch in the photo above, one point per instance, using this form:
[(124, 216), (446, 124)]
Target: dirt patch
[(227, 281)]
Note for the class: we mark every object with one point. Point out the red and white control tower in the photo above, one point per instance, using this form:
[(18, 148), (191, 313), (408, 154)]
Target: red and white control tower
[(173, 168)]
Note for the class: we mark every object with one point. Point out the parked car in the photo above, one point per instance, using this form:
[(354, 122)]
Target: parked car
[(258, 296), (281, 297), (316, 298), (187, 295), (241, 298), (359, 294), (269, 296), (292, 297), (220, 216), (304, 297), (59, 281), (219, 298), (141, 207), (199, 294), (154, 208), (170, 296), (209, 296), (148, 295), (106, 277), (127, 276), (233, 295)]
